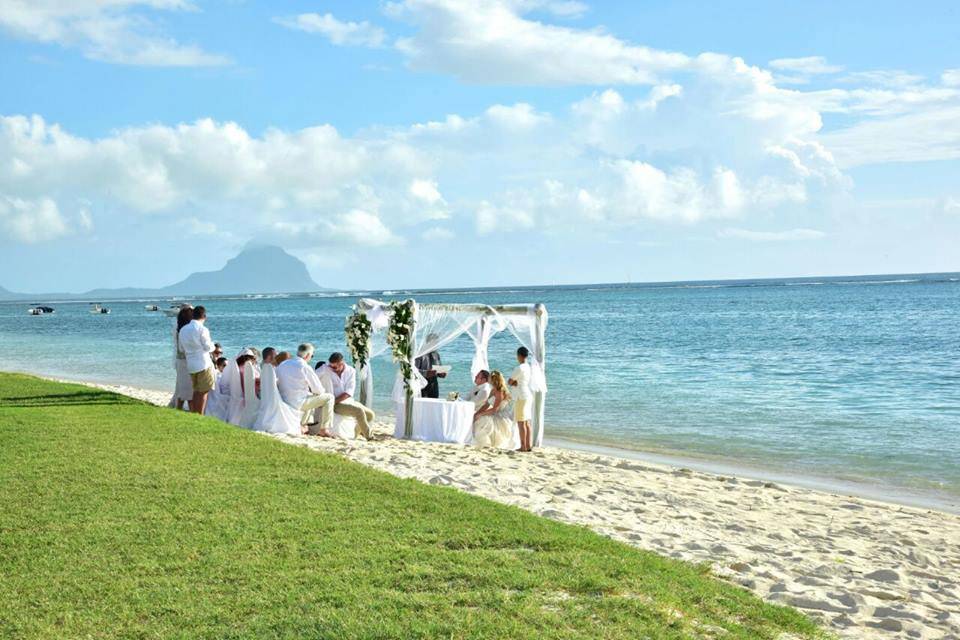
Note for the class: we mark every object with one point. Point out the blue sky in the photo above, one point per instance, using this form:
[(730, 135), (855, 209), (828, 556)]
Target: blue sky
[(441, 142)]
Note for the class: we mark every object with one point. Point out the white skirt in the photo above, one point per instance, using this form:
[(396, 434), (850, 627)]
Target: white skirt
[(493, 431), (184, 387)]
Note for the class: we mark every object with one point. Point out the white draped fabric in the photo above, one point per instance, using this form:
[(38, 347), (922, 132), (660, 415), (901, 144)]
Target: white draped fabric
[(234, 404), (437, 325), (438, 421), (274, 415), (215, 399), (251, 403)]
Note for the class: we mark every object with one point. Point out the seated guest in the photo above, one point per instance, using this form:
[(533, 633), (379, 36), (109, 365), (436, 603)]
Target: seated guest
[(220, 393), (493, 423), (301, 389), (243, 359), (319, 365), (481, 390), (269, 356), (217, 352), (344, 380), (282, 357)]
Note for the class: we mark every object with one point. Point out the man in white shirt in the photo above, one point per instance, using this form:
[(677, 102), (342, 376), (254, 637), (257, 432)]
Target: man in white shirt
[(481, 391), (344, 380), (197, 346), (300, 388), (522, 398)]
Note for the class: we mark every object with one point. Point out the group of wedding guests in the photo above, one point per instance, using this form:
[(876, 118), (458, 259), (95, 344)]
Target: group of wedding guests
[(272, 391)]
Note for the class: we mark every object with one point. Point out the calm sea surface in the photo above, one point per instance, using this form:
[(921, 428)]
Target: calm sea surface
[(855, 379)]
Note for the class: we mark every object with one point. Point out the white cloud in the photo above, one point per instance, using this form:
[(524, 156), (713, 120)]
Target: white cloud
[(426, 191), (932, 134), (354, 228), (197, 227), (115, 31), (490, 41), (810, 65), (771, 236), (893, 78), (31, 221), (438, 234), (951, 77), (336, 31)]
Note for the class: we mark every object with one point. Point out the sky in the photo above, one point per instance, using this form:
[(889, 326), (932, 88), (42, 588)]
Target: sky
[(443, 143)]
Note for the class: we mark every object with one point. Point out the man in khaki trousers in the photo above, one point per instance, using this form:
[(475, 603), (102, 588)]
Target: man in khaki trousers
[(343, 378)]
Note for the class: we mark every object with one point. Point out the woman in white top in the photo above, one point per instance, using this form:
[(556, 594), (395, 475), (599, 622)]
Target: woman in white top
[(523, 404), (183, 391), (493, 422)]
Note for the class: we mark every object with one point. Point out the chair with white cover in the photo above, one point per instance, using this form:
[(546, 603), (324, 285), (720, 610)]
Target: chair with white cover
[(251, 403), (232, 407), (275, 415)]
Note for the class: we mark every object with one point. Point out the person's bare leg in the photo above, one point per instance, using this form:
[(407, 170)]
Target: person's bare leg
[(199, 402)]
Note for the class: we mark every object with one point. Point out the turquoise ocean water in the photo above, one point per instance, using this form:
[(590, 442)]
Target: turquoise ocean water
[(854, 379)]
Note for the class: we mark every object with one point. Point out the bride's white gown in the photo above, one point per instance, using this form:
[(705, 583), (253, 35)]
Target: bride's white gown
[(495, 429), (275, 415)]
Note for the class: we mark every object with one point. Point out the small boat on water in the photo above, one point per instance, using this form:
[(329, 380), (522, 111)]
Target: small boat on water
[(40, 310), (96, 307), (173, 310), (152, 307)]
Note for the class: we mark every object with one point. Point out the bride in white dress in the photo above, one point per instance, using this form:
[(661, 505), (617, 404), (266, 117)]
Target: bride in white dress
[(493, 424)]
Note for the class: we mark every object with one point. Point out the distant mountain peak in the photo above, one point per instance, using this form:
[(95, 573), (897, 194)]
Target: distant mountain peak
[(258, 268)]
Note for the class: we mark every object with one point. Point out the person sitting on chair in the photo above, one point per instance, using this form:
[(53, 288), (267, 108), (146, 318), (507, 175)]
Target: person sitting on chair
[(301, 389), (343, 377), (481, 390)]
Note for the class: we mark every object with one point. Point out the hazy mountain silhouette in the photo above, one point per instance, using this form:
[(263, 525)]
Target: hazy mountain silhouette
[(256, 269)]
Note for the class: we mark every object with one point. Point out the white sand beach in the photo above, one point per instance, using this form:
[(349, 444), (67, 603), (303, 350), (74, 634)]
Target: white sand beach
[(865, 569)]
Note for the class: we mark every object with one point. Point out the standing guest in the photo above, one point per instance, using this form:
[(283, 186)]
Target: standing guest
[(197, 345), (344, 380), (522, 406), (183, 391), (481, 390), (425, 365), (301, 389), (269, 356), (282, 357)]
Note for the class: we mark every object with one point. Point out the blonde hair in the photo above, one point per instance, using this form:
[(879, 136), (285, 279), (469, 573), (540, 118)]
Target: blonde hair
[(498, 383)]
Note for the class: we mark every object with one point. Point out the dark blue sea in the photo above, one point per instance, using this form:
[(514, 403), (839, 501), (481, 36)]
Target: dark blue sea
[(855, 379)]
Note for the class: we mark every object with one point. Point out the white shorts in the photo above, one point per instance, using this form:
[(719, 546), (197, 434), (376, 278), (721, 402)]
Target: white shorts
[(522, 410)]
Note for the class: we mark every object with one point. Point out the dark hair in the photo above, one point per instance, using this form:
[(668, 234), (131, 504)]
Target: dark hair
[(268, 351), (335, 357), (184, 317), (523, 351), (319, 364), (221, 360), (216, 345), (199, 313), (282, 357), (242, 360), (483, 373)]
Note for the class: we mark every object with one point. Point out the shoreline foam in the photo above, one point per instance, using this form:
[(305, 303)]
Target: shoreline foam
[(865, 569)]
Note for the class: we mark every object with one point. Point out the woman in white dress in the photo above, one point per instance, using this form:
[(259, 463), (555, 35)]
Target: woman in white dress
[(523, 407), (493, 423), (183, 390)]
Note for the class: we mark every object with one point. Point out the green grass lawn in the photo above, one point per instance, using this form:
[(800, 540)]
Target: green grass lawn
[(120, 519)]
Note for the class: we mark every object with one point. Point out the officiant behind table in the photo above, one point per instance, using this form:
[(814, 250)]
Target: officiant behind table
[(427, 366)]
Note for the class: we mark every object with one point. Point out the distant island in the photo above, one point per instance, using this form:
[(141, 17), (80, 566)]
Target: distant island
[(256, 269)]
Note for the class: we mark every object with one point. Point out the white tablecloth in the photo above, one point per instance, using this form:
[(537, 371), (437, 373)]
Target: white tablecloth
[(439, 420)]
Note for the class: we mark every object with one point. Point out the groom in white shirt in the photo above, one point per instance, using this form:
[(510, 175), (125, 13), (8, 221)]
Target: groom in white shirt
[(300, 388), (481, 390)]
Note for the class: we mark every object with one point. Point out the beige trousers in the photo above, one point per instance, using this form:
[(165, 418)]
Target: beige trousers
[(318, 401), (358, 412)]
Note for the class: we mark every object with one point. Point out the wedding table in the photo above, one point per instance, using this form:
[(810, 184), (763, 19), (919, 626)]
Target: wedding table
[(439, 420)]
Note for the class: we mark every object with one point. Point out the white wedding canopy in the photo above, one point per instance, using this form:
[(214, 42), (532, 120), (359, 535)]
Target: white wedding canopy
[(437, 325)]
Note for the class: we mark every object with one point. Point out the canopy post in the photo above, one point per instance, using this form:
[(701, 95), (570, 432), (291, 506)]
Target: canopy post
[(540, 355), (408, 383)]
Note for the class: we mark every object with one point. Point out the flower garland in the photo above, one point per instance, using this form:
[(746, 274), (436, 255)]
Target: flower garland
[(399, 334), (358, 330)]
